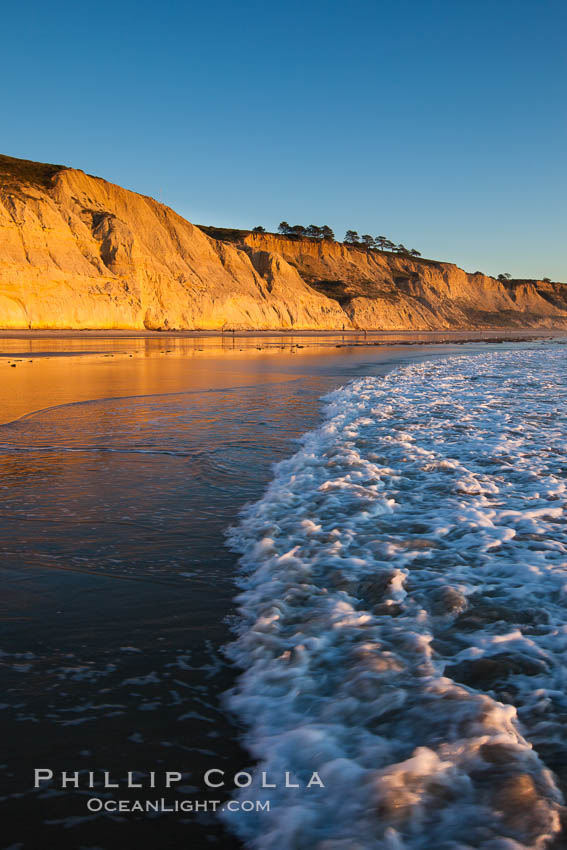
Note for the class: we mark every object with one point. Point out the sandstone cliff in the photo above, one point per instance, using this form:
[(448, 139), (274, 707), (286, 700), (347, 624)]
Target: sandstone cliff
[(78, 252), (389, 291)]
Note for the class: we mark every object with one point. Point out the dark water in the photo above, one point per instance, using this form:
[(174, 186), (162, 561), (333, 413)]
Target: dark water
[(117, 586)]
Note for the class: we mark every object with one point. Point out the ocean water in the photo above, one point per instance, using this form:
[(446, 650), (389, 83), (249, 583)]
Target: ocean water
[(118, 589), (402, 622)]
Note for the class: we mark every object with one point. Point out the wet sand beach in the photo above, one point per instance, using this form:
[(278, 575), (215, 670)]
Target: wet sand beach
[(96, 364)]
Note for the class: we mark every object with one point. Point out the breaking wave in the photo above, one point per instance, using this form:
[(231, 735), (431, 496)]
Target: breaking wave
[(403, 624)]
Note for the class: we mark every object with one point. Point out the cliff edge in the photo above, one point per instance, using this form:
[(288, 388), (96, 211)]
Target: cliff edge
[(79, 252)]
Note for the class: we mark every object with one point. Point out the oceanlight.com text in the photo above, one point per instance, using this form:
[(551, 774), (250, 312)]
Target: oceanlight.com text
[(162, 806)]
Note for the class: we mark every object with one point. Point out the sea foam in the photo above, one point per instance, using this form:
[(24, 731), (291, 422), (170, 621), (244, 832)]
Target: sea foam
[(402, 616)]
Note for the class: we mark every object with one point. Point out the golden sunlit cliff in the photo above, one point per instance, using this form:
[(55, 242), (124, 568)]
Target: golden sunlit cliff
[(78, 252)]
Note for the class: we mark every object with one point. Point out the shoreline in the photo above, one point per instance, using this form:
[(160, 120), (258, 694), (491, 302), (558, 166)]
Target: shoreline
[(47, 344), (54, 369), (121, 333), (50, 369)]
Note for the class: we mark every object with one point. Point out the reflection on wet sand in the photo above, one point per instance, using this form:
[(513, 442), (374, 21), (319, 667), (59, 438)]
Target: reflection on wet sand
[(47, 369)]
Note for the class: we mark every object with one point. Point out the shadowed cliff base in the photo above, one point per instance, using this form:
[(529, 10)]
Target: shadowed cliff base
[(77, 252)]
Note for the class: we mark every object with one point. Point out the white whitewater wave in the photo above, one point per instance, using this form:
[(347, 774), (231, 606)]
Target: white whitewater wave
[(403, 620)]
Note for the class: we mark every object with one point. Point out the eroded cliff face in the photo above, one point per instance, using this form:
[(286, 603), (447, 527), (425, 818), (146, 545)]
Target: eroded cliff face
[(78, 252), (83, 253), (391, 292)]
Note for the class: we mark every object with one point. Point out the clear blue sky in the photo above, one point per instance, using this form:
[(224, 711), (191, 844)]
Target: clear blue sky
[(442, 125)]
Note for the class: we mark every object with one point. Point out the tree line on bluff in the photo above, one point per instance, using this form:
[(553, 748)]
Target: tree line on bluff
[(326, 234), (367, 242)]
